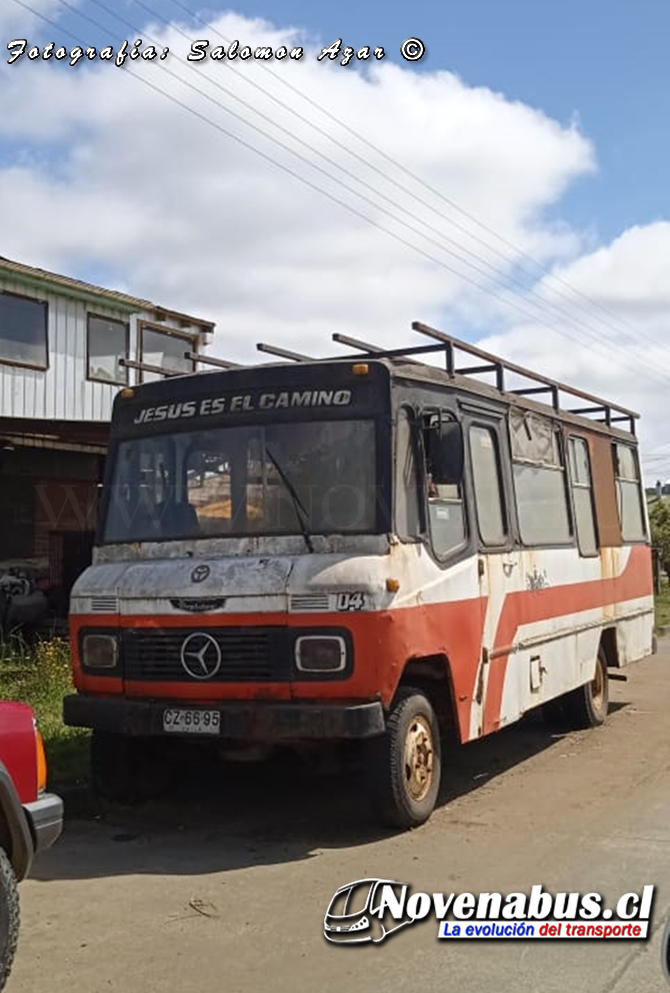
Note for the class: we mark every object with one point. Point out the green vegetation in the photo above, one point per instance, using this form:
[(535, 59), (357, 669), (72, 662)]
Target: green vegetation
[(41, 676), (663, 606), (659, 519)]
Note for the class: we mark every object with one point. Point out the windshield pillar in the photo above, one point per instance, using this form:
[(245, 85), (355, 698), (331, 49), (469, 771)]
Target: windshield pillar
[(238, 489)]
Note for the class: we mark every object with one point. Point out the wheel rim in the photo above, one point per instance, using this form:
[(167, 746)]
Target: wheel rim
[(598, 688), (419, 758)]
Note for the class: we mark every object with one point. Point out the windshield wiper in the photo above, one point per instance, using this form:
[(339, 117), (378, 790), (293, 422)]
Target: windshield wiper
[(300, 512)]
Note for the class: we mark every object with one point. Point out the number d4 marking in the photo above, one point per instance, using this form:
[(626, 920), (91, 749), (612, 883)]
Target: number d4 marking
[(350, 601)]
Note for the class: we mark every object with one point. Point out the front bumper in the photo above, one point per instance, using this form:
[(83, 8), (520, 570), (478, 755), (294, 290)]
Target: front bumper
[(258, 721), (45, 819)]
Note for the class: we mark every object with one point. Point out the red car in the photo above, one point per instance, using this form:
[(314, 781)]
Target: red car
[(30, 818)]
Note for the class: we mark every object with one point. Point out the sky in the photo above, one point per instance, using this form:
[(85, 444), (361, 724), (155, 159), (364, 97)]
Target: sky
[(509, 187)]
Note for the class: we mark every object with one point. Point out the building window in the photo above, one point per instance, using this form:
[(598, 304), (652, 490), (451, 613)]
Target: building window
[(487, 485), (166, 350), (107, 345), (629, 493), (23, 331), (539, 480), (582, 496)]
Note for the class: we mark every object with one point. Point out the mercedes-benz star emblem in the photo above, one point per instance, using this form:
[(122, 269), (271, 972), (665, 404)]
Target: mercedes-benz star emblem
[(200, 656), (200, 573)]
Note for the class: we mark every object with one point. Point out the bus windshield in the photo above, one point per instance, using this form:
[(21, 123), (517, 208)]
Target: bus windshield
[(286, 478)]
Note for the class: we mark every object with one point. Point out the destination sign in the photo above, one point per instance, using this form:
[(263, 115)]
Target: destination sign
[(243, 403)]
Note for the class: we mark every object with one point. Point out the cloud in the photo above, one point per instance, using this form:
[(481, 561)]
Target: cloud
[(143, 178), (16, 20), (614, 337), (186, 213)]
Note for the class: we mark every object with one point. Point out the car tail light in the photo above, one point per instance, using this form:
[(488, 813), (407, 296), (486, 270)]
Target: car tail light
[(41, 763)]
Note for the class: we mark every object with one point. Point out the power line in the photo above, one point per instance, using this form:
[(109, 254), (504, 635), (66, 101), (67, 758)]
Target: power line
[(365, 139), (299, 142), (242, 141), (595, 335), (543, 304), (313, 186)]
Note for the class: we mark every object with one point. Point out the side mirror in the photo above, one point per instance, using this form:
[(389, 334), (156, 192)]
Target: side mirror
[(446, 454)]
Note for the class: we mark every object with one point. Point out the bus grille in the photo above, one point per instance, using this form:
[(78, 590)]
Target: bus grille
[(247, 655)]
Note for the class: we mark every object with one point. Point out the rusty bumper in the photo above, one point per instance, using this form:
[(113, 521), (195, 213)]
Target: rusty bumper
[(258, 721)]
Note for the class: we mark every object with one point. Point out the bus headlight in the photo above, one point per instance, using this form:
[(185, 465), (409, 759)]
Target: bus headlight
[(320, 653), (99, 651)]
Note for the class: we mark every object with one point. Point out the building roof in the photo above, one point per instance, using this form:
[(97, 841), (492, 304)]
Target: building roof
[(76, 287)]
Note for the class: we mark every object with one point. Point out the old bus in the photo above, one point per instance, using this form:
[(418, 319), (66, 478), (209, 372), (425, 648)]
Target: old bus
[(370, 549)]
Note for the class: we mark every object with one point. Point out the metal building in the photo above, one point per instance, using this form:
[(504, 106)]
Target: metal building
[(66, 348)]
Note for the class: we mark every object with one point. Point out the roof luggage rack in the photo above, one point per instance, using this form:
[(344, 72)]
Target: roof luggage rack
[(284, 353), (609, 413)]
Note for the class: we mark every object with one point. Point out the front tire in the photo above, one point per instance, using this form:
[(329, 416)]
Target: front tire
[(9, 917), (404, 768), (588, 706)]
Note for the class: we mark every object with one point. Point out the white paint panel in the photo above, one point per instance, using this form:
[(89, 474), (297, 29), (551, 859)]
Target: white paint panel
[(569, 661)]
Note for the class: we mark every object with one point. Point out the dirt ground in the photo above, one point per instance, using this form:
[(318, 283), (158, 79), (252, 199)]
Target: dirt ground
[(224, 887)]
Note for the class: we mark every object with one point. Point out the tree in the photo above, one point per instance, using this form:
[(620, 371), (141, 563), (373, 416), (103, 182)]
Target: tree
[(659, 519)]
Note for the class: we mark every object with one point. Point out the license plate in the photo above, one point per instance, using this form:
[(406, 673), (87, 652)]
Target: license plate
[(192, 721)]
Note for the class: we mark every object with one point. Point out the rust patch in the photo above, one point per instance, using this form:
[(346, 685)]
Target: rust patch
[(609, 563), (479, 692), (604, 491)]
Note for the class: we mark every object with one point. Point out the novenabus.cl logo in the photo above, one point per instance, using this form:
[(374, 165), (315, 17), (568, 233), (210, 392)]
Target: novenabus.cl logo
[(367, 910)]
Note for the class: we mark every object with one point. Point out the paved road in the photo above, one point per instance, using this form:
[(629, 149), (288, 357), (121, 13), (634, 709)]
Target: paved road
[(229, 895)]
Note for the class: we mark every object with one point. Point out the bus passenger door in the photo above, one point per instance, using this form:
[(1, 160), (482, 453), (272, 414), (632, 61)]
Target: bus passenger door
[(496, 699)]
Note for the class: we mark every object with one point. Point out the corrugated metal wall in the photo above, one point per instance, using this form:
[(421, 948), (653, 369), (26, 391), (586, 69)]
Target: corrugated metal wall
[(62, 392)]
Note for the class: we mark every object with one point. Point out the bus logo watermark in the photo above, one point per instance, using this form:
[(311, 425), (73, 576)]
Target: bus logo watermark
[(369, 910)]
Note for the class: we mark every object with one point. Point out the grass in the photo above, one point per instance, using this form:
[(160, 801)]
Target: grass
[(663, 606), (41, 676)]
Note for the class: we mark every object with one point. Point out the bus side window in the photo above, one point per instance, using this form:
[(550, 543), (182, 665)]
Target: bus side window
[(487, 485), (539, 480), (446, 512), (629, 493), (407, 505), (582, 495)]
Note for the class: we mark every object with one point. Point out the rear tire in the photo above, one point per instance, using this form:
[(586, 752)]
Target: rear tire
[(404, 765), (588, 706), (128, 770), (9, 917)]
